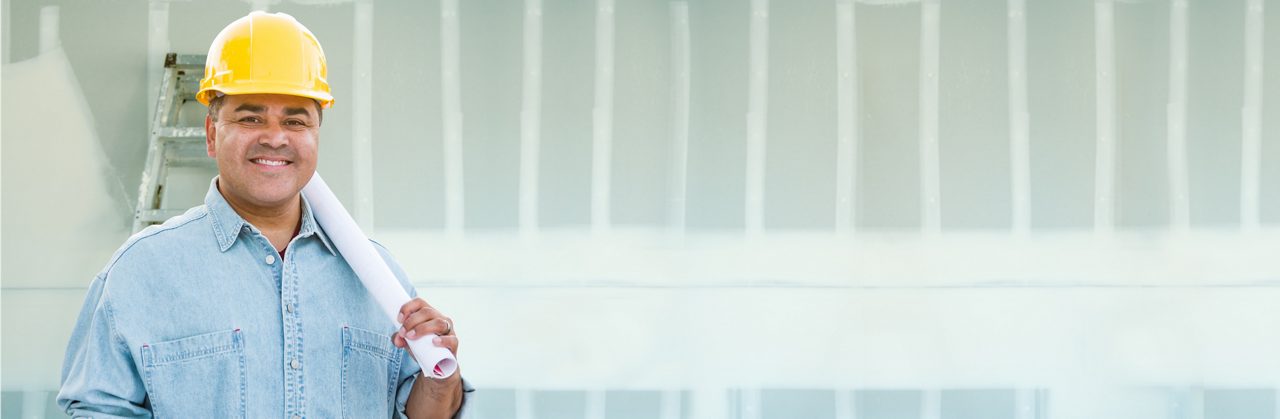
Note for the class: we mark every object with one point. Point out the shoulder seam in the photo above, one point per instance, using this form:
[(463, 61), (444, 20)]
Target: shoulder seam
[(134, 240)]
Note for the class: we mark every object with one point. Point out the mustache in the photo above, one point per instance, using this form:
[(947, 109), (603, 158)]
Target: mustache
[(285, 152)]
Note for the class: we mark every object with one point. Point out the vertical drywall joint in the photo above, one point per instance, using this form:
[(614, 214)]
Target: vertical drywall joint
[(1251, 117), (1019, 118), (930, 181), (670, 404), (749, 403), (846, 117), (709, 403), (524, 404), (931, 404), (1176, 114), (846, 404), (602, 120), (595, 404), (452, 118), (157, 48), (1187, 403), (680, 76), (531, 118), (1104, 196), (35, 402), (1025, 406), (757, 116), (362, 115)]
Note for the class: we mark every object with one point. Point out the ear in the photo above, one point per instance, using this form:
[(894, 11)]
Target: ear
[(210, 136)]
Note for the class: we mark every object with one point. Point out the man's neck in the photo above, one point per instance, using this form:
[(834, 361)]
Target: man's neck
[(278, 223)]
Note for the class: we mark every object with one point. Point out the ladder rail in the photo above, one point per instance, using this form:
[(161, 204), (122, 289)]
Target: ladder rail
[(147, 188), (169, 144)]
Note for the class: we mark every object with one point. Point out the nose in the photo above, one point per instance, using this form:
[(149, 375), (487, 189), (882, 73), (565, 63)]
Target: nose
[(273, 136)]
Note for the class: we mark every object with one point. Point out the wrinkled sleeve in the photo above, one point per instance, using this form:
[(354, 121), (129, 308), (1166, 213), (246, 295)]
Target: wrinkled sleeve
[(409, 375), (408, 368), (99, 377)]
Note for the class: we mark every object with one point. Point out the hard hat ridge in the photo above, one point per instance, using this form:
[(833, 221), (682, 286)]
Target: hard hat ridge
[(266, 53)]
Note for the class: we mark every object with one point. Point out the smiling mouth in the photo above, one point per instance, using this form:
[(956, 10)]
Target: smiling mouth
[(270, 162)]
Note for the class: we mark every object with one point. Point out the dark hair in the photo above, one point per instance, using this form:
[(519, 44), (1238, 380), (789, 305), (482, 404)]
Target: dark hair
[(215, 105)]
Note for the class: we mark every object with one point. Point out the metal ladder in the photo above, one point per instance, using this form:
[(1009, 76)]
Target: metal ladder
[(172, 144)]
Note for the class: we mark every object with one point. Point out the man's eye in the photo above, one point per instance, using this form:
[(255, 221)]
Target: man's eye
[(251, 120), (295, 122)]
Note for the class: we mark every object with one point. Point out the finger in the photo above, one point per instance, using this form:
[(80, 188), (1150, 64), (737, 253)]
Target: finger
[(437, 326), (416, 319), (398, 341), (450, 342), (410, 307)]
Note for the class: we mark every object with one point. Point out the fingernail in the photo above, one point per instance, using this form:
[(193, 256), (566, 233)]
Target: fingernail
[(400, 318), (437, 341), (412, 334)]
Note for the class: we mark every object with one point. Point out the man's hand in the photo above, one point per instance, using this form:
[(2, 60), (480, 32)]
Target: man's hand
[(420, 319), (430, 397)]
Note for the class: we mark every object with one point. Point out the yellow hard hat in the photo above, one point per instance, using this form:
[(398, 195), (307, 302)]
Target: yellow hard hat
[(266, 53)]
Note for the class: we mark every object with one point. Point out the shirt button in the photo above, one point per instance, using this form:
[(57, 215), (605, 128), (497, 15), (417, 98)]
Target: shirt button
[(271, 259), (289, 307), (295, 364)]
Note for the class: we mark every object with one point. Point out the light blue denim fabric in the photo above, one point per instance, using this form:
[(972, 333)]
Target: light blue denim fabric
[(199, 317)]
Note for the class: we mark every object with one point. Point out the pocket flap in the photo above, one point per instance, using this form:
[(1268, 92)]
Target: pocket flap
[(374, 343), (193, 347)]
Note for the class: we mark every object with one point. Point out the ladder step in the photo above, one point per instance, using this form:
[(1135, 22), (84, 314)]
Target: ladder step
[(184, 60), (158, 216), (191, 161), (180, 132)]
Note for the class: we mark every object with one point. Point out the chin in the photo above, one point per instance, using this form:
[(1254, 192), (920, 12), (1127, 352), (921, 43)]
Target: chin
[(274, 196)]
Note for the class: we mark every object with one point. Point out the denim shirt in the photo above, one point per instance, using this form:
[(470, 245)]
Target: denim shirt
[(199, 317)]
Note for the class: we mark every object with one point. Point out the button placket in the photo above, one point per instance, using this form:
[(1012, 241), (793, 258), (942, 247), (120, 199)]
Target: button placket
[(292, 335)]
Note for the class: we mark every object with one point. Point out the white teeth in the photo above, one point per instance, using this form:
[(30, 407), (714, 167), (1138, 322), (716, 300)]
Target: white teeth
[(270, 162)]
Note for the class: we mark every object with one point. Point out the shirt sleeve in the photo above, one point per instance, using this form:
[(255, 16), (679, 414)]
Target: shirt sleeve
[(406, 386), (99, 377), (408, 368)]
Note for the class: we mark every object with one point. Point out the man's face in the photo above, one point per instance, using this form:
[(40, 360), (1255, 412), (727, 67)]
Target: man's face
[(266, 147)]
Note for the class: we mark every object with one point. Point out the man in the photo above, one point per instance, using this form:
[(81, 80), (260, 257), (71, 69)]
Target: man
[(242, 307)]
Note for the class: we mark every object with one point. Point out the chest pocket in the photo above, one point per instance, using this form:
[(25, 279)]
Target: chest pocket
[(201, 376), (370, 373)]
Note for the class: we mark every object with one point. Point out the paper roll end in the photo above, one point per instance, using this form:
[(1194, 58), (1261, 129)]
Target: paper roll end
[(436, 362), (444, 368)]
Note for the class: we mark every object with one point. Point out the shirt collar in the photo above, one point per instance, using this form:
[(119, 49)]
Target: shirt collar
[(227, 223)]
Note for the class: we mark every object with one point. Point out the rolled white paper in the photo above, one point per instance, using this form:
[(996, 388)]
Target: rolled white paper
[(372, 271)]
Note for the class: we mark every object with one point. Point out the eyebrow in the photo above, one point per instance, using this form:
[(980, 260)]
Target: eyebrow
[(296, 111), (251, 108)]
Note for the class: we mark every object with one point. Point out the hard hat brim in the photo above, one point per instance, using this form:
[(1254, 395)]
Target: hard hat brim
[(325, 99)]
